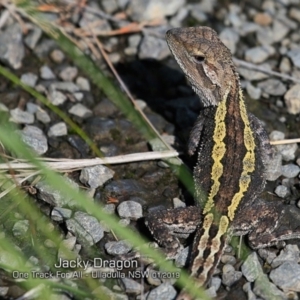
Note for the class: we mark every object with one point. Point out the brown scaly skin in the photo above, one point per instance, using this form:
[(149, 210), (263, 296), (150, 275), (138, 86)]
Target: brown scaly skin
[(232, 148)]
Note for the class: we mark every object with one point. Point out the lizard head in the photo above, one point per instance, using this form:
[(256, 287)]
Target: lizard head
[(205, 60)]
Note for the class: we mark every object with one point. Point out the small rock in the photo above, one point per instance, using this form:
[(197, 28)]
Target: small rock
[(263, 19), (31, 107), (165, 291), (46, 73), (230, 38), (99, 291), (230, 276), (86, 228), (251, 267), (248, 291), (197, 13), (285, 65), (56, 97), (153, 48), (59, 214), (58, 129), (65, 86), (124, 222), (78, 96), (83, 84), (33, 37), (95, 176), (29, 79), (35, 138), (294, 55), (42, 116), (272, 87), (289, 253), (254, 75), (21, 117), (287, 276), (118, 248), (130, 209), (67, 244), (109, 208), (20, 228), (182, 258), (274, 167), (132, 287), (282, 191), (80, 111), (280, 30), (287, 151), (252, 91), (141, 104), (109, 6), (228, 259), (292, 99), (178, 203), (68, 73), (3, 107), (215, 282), (259, 54), (57, 56), (294, 13), (267, 255), (290, 170)]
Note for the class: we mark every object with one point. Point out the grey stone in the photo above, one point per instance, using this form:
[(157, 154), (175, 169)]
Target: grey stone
[(65, 86), (35, 138), (294, 13), (292, 99), (290, 170), (42, 116), (259, 54), (288, 253), (56, 97), (267, 255), (31, 107), (230, 38), (287, 151), (253, 91), (152, 9), (248, 291), (3, 107), (182, 258), (29, 79), (68, 73), (67, 244), (280, 30), (153, 47), (55, 197), (141, 104), (83, 84), (80, 111), (124, 222), (196, 12), (78, 96), (58, 129), (59, 214), (131, 286), (96, 176), (86, 228), (109, 208), (254, 75), (21, 117), (282, 191), (33, 37), (215, 282), (181, 15), (98, 292), (285, 65), (46, 73), (230, 275), (20, 228), (276, 135), (251, 267), (165, 291), (118, 248), (57, 56), (228, 259), (130, 209), (272, 87), (11, 46), (287, 276), (211, 292), (178, 203), (294, 55), (109, 6), (267, 290)]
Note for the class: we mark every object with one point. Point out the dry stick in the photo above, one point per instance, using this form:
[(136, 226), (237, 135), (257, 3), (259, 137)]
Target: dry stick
[(127, 91), (242, 63), (283, 142)]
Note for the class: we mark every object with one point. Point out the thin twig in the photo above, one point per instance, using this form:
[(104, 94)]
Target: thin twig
[(247, 65), (283, 142)]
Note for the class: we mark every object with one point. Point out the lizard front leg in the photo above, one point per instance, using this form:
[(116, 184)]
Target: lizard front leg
[(168, 225)]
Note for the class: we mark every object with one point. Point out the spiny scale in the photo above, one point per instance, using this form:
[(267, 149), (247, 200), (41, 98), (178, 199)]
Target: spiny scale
[(228, 172)]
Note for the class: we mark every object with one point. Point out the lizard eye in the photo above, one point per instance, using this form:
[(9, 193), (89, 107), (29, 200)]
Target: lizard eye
[(199, 58)]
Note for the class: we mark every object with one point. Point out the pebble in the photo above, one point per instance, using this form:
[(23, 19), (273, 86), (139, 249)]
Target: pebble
[(58, 129), (57, 56), (83, 84), (124, 222), (99, 291), (294, 55), (86, 228), (21, 117), (165, 291), (287, 276), (56, 97), (42, 116), (228, 259), (253, 91), (141, 104), (248, 291), (20, 228), (109, 6), (215, 282), (230, 38), (290, 170), (285, 65), (287, 151), (259, 54), (230, 275), (29, 79), (68, 73), (254, 75), (294, 13), (31, 107), (182, 258), (46, 73), (274, 167), (95, 176), (251, 267), (131, 286), (282, 191), (12, 48), (272, 87), (35, 138), (130, 209), (117, 248), (280, 30), (70, 87), (263, 19), (109, 208), (153, 48), (3, 107), (67, 244), (178, 203), (267, 255), (33, 37), (80, 111), (288, 253), (78, 96), (59, 214), (292, 99)]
